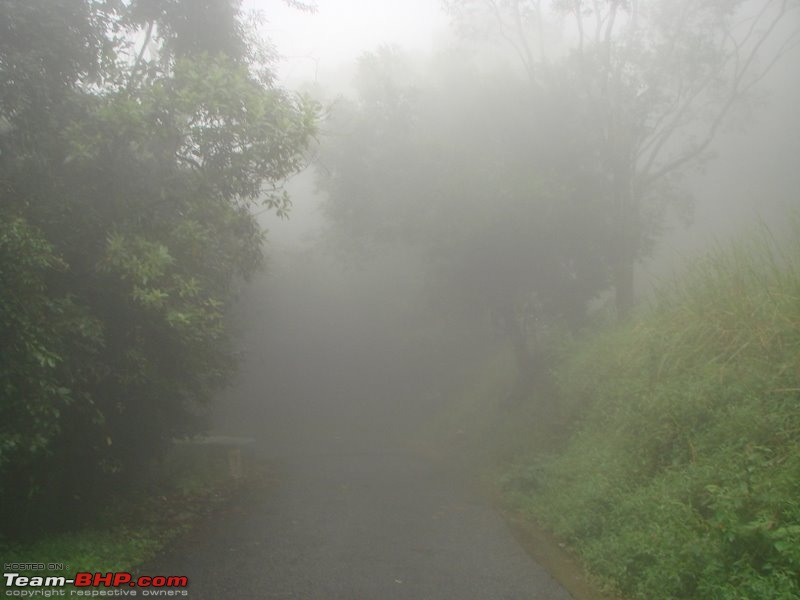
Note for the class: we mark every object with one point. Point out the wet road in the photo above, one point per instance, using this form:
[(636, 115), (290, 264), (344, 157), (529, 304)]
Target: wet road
[(343, 522), (354, 511)]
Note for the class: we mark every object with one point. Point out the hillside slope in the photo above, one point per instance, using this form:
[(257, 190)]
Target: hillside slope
[(683, 477)]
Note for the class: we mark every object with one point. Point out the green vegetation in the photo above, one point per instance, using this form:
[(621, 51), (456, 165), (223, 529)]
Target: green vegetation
[(485, 425), (187, 484), (136, 137), (682, 478)]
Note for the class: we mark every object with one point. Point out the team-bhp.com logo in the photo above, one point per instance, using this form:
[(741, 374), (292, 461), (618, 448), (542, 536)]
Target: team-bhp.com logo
[(152, 586)]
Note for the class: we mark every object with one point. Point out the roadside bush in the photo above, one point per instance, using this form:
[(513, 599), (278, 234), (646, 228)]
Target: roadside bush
[(683, 477)]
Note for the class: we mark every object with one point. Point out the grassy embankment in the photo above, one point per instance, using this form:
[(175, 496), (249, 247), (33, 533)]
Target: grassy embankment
[(191, 482), (680, 477)]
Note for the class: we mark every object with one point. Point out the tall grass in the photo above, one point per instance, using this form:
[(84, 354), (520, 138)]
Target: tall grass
[(683, 477)]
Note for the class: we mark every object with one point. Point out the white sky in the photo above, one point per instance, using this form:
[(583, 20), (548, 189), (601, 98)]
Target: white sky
[(342, 29)]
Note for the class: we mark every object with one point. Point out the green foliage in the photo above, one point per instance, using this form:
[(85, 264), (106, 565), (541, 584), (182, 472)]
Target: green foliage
[(189, 482), (45, 338), (127, 180), (682, 478), (483, 426), (469, 420)]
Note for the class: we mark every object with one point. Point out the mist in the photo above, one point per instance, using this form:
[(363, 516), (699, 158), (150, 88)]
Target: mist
[(458, 299), (352, 335)]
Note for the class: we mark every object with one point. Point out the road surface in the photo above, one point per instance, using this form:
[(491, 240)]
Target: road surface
[(354, 512), (349, 521)]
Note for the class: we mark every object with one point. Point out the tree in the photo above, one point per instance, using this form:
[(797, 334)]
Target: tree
[(497, 203), (657, 79), (133, 148)]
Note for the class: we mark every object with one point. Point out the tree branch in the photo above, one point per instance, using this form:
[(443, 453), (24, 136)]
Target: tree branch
[(579, 21), (737, 91)]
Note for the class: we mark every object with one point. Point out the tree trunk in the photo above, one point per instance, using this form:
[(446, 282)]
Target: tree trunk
[(623, 284)]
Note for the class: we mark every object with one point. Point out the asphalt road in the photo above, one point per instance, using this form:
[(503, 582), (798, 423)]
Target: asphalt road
[(354, 512), (358, 519)]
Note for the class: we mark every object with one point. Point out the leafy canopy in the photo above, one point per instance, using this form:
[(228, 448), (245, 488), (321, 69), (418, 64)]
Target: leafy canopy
[(135, 137)]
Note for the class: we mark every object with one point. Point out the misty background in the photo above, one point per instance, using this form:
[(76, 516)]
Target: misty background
[(331, 343)]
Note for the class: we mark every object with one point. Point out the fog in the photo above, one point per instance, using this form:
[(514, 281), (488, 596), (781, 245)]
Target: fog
[(422, 299), (313, 46), (333, 351), (341, 342)]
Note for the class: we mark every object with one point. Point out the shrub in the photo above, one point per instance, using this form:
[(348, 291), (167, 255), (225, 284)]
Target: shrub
[(683, 477)]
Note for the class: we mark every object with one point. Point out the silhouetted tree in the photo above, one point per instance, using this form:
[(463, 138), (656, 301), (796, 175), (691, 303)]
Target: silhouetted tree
[(657, 80), (500, 204)]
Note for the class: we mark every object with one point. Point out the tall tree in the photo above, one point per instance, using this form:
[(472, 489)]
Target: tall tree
[(498, 204), (134, 142), (658, 80)]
